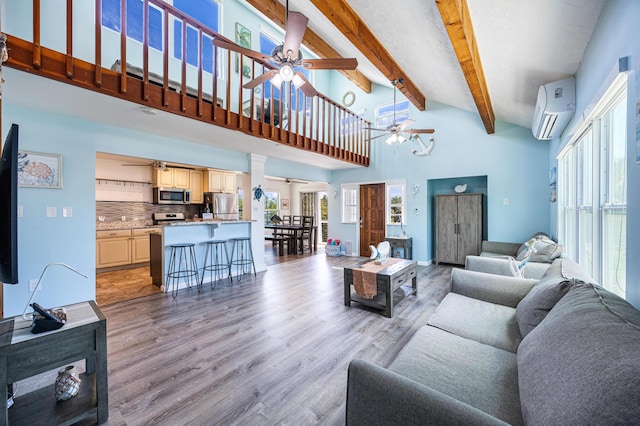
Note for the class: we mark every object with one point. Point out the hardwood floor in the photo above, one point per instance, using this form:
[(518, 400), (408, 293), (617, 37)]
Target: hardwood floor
[(268, 350)]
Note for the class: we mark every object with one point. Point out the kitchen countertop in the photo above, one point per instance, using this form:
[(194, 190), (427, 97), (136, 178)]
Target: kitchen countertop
[(142, 224), (207, 222)]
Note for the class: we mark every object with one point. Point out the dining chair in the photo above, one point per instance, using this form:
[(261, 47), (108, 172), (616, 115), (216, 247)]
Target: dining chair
[(307, 233)]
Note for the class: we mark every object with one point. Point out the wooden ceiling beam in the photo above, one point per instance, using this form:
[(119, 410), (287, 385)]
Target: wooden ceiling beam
[(349, 23), (276, 12), (457, 21)]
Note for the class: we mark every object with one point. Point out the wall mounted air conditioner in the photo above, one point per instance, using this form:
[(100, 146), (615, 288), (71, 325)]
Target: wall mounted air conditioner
[(554, 108)]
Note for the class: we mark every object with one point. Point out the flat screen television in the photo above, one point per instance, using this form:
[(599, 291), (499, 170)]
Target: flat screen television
[(9, 208)]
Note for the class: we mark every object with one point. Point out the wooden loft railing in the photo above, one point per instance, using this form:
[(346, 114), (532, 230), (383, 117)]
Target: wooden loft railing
[(159, 80)]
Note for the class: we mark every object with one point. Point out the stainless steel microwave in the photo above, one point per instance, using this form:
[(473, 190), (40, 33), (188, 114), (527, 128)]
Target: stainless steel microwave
[(171, 196)]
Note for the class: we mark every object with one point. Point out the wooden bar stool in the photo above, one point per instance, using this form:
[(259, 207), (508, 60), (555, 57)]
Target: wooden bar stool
[(241, 256), (182, 265), (214, 262)]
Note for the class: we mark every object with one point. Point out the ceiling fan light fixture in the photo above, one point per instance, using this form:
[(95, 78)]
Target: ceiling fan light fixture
[(297, 81), (276, 80), (286, 72)]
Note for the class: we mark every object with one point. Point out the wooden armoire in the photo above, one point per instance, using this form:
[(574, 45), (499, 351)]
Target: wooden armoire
[(458, 227)]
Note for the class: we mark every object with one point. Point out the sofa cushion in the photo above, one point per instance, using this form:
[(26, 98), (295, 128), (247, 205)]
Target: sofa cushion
[(581, 365), (534, 307), (479, 375), (544, 249), (481, 321)]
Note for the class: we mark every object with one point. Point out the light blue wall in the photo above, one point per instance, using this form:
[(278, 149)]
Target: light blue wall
[(616, 36), (71, 240), (515, 164)]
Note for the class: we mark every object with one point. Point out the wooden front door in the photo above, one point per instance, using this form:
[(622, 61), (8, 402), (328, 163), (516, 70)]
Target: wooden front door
[(372, 216)]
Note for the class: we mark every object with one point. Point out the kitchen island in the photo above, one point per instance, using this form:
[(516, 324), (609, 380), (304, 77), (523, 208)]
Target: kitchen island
[(197, 232)]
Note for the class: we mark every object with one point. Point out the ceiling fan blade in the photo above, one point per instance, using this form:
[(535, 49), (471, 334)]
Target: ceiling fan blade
[(331, 64), (420, 131), (379, 136), (374, 128), (406, 123), (242, 50), (259, 80), (308, 90), (296, 26)]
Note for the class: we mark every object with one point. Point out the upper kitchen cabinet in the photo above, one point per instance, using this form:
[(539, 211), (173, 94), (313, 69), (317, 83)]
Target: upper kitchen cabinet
[(171, 178), (219, 181), (196, 187)]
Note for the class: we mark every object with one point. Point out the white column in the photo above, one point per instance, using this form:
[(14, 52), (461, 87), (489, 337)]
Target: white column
[(256, 208)]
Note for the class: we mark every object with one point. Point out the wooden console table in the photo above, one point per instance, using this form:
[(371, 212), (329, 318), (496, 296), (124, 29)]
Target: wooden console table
[(387, 280), (23, 354)]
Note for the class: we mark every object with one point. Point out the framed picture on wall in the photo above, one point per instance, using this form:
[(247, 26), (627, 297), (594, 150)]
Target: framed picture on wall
[(39, 170), (243, 39), (284, 204)]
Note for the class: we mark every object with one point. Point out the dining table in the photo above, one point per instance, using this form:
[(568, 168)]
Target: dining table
[(296, 230)]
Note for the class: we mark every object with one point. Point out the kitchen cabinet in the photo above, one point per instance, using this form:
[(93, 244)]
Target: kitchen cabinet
[(458, 227), (123, 247), (140, 244), (171, 178), (196, 186), (113, 248), (219, 181)]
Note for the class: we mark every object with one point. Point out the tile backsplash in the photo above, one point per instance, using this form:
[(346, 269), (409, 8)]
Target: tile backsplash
[(137, 214)]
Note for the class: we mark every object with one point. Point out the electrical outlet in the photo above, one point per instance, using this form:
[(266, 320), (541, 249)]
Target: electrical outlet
[(32, 285), (124, 218)]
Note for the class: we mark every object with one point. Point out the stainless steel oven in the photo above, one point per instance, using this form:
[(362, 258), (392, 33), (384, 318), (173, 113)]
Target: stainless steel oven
[(171, 196)]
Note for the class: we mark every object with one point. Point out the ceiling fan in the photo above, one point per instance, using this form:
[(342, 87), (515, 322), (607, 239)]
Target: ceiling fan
[(287, 56), (395, 130), (159, 165)]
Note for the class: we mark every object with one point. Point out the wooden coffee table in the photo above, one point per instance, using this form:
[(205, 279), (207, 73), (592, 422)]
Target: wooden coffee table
[(387, 280)]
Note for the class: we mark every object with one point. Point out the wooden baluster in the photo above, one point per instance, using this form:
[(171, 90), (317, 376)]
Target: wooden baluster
[(145, 50), (299, 107), (37, 49), (165, 61), (183, 87), (98, 45), (200, 60), (123, 47), (228, 115), (214, 83), (69, 64), (240, 81)]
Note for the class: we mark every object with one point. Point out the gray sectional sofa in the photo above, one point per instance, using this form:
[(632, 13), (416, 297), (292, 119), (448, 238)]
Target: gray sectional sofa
[(501, 257), (502, 350)]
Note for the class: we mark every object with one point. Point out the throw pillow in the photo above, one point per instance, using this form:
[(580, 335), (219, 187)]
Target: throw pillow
[(540, 248), (563, 274)]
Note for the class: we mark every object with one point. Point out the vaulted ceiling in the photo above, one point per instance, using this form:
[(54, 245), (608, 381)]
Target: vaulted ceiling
[(487, 56)]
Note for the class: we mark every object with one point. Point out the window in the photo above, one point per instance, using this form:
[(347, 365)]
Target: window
[(349, 204), (203, 11), (271, 205), (384, 114), (592, 191), (111, 19), (395, 204)]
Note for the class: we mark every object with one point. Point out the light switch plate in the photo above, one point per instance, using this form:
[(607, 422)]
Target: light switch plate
[(52, 212), (505, 202), (67, 211), (20, 211)]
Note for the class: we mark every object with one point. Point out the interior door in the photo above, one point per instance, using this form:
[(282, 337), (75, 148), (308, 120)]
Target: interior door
[(372, 216)]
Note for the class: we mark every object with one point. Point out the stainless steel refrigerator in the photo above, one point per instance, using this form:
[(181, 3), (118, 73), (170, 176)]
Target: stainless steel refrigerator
[(225, 206)]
